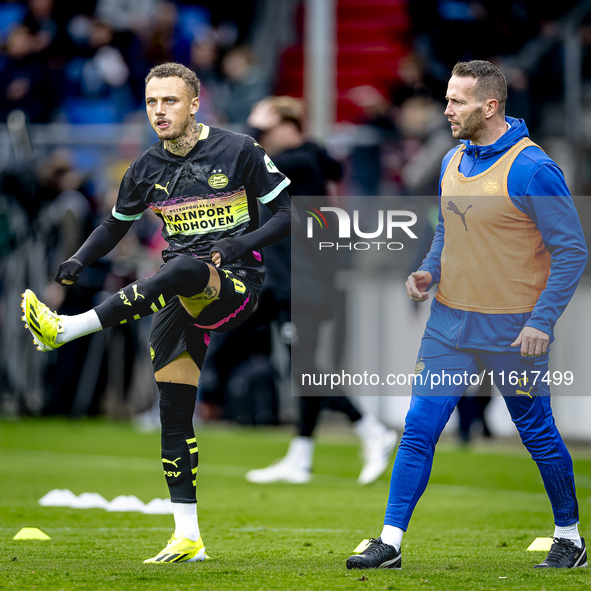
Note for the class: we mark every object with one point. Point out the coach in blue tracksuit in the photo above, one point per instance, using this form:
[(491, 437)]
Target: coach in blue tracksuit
[(508, 254)]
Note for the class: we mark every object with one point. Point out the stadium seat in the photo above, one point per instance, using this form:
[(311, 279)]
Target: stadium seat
[(79, 110)]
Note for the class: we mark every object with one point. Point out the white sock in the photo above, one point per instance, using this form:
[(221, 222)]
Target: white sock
[(78, 326), (301, 452), (185, 521), (392, 536), (569, 532), (368, 428)]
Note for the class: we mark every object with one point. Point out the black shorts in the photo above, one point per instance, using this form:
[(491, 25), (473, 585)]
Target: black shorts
[(175, 331)]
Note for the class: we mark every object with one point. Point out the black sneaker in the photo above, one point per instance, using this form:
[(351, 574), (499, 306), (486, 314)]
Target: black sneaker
[(565, 554), (376, 555)]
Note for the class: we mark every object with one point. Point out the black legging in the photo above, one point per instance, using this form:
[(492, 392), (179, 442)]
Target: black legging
[(314, 398), (183, 275), (310, 407)]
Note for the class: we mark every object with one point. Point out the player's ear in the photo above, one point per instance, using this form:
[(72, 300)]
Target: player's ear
[(491, 107), (194, 105)]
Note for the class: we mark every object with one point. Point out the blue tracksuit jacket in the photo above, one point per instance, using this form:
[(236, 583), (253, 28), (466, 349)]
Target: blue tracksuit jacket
[(532, 175)]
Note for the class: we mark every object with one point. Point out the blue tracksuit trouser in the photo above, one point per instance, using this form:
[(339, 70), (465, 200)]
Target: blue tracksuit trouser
[(432, 404)]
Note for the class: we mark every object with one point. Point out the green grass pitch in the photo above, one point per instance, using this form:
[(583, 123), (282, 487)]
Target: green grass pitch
[(481, 510)]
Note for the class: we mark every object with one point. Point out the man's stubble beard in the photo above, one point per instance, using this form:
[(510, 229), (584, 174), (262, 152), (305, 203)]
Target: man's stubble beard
[(473, 124)]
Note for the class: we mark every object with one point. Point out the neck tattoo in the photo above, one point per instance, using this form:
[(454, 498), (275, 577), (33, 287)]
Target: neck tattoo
[(182, 145)]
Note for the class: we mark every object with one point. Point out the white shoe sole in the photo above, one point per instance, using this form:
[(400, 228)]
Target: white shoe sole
[(201, 556)]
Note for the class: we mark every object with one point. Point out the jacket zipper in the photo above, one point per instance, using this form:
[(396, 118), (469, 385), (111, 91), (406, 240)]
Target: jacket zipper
[(460, 329)]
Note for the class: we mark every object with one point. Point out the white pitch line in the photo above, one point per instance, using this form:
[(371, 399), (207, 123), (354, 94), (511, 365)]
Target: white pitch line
[(76, 460), (308, 530), (97, 529), (456, 490)]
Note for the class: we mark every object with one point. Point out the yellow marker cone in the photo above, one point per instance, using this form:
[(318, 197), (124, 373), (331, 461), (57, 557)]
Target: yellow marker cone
[(31, 533), (362, 546), (540, 544)]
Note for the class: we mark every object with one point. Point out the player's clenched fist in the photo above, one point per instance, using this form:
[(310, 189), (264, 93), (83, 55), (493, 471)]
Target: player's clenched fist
[(68, 271), (216, 258), (417, 284)]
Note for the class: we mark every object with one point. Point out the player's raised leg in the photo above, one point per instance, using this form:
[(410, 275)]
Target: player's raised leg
[(48, 328), (193, 279)]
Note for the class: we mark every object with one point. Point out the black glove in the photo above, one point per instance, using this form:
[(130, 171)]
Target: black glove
[(68, 271), (230, 249)]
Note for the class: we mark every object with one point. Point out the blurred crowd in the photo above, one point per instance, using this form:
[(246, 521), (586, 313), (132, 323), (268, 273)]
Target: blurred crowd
[(85, 62), (89, 59)]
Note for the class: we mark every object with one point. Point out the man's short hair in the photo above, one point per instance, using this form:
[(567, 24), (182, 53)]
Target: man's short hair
[(171, 69), (490, 81), (289, 109)]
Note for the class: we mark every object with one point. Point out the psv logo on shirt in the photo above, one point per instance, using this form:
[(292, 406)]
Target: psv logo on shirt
[(217, 180)]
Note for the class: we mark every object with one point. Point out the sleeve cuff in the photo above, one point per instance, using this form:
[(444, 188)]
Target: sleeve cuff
[(543, 325), (270, 196), (126, 218), (434, 277)]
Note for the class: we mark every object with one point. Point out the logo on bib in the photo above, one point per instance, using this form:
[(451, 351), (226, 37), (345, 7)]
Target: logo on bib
[(491, 186)]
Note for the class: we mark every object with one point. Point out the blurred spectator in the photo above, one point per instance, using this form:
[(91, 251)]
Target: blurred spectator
[(98, 72), (376, 117), (412, 83), (204, 58), (167, 40), (11, 15), (127, 15), (519, 99), (64, 218), (232, 26), (277, 123), (204, 62), (79, 377), (44, 28), (61, 195), (24, 77), (278, 126), (415, 160), (244, 84)]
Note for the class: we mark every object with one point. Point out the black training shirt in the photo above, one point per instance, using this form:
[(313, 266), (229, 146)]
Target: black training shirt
[(208, 195)]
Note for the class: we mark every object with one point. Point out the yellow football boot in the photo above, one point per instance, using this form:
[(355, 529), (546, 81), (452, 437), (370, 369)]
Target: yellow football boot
[(181, 550), (43, 324)]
